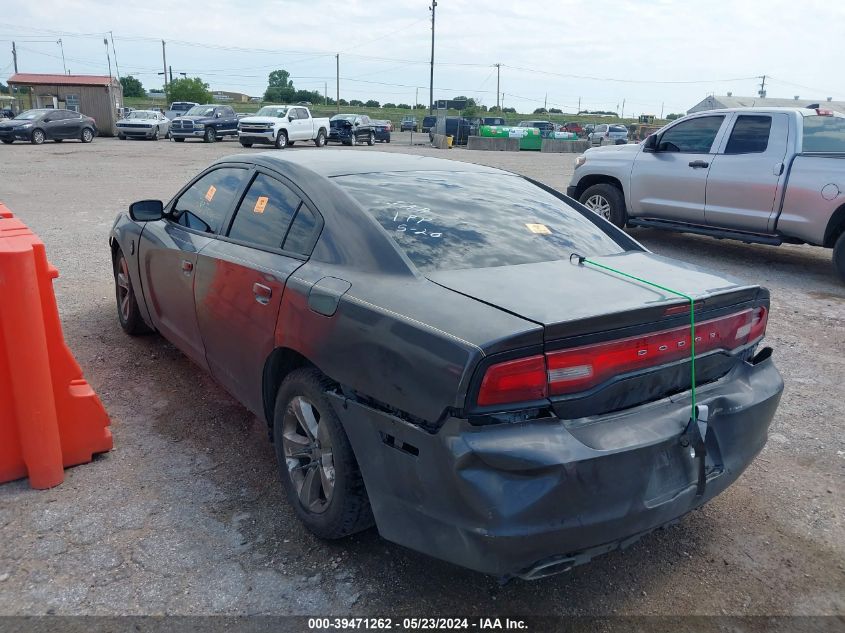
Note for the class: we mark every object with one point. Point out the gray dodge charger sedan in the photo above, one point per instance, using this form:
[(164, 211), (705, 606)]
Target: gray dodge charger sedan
[(436, 350)]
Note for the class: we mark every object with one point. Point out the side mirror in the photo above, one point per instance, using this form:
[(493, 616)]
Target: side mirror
[(146, 210), (650, 144), (47, 120)]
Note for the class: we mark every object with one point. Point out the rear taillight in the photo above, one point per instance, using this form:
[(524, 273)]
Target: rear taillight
[(581, 368), (514, 381)]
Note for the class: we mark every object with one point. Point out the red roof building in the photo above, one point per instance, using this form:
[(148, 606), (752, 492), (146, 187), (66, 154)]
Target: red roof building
[(98, 96)]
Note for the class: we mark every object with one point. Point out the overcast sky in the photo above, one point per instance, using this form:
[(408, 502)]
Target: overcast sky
[(657, 54)]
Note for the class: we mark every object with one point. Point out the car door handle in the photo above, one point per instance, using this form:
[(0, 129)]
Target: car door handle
[(699, 163), (262, 293), (187, 267)]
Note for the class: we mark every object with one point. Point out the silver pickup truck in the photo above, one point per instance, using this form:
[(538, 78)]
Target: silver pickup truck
[(759, 175)]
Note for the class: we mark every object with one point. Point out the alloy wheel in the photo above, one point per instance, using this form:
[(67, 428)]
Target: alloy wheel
[(598, 204), (124, 289), (308, 455), (87, 136), (38, 137)]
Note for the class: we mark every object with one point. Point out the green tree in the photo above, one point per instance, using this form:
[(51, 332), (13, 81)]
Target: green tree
[(372, 103), (511, 110), (4, 89), (555, 111), (355, 103), (280, 79), (277, 94), (402, 106), (389, 105), (132, 87), (343, 102), (541, 111), (188, 89)]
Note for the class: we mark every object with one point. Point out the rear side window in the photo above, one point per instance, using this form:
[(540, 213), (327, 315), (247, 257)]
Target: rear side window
[(446, 221), (265, 213), (750, 135), (824, 134), (694, 136), (205, 204), (300, 238)]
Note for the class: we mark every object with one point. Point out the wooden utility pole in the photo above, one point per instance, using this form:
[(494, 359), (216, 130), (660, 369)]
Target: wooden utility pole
[(337, 100), (164, 62), (498, 81), (113, 50), (431, 77), (15, 57)]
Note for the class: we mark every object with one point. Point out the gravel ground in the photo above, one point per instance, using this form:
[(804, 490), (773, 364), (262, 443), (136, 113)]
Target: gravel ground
[(185, 516)]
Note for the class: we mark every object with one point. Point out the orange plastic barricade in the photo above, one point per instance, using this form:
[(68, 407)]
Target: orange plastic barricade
[(50, 418)]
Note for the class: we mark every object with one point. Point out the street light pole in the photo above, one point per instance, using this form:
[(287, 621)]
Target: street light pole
[(432, 8)]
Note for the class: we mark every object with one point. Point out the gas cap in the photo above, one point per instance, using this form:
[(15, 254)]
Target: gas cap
[(830, 191)]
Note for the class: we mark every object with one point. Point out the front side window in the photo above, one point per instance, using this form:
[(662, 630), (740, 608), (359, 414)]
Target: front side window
[(302, 113), (265, 213), (443, 221), (750, 135), (694, 136), (205, 204)]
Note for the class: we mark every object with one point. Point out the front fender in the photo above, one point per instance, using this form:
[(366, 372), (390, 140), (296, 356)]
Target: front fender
[(126, 235)]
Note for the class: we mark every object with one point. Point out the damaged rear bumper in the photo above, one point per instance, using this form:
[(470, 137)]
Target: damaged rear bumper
[(534, 498)]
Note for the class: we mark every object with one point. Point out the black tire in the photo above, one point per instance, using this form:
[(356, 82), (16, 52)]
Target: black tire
[(372, 140), (155, 134), (320, 141), (607, 201), (179, 140), (167, 136), (347, 509), (210, 135), (839, 256), (87, 135), (122, 137), (8, 141), (246, 144), (37, 137), (128, 314), (353, 140), (387, 141), (281, 140)]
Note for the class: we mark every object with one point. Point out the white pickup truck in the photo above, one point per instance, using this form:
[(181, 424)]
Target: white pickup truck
[(759, 175), (281, 126)]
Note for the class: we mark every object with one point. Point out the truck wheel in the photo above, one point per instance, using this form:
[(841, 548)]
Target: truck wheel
[(321, 139), (281, 140), (839, 256), (210, 135), (607, 201), (245, 144), (319, 473)]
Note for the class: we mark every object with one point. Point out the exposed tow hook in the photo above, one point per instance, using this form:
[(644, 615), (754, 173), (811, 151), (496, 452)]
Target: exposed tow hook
[(694, 437)]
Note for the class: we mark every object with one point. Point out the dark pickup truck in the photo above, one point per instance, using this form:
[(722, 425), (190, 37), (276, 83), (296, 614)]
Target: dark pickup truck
[(209, 122)]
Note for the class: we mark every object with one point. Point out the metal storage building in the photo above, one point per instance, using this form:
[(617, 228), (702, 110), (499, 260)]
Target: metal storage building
[(97, 96)]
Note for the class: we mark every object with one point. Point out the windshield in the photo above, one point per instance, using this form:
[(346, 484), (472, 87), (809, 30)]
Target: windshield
[(142, 115), (200, 111), (824, 134), (443, 221), (273, 111), (29, 115), (180, 107), (343, 117), (618, 128)]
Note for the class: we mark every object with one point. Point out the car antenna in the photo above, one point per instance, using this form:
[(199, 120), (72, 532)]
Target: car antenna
[(695, 431)]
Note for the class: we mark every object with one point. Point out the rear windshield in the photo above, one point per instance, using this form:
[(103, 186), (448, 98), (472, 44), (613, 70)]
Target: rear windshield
[(824, 134), (618, 128), (450, 221)]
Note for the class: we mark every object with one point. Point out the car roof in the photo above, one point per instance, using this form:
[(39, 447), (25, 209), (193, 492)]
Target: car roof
[(766, 109), (337, 162)]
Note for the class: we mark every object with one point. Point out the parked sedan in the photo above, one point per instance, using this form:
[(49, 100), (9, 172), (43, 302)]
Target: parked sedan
[(37, 126), (608, 134), (351, 129), (430, 356), (382, 129), (149, 124)]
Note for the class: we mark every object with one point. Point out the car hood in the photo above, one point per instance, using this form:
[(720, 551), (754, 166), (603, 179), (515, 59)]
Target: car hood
[(620, 152), (570, 299), (16, 123), (194, 118), (149, 122), (266, 120)]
